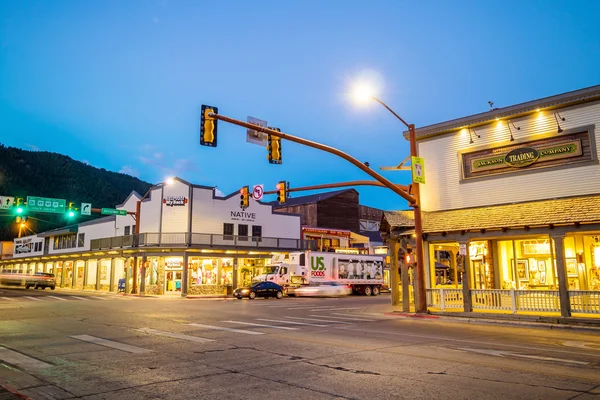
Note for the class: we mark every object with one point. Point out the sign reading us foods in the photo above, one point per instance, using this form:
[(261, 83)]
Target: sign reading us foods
[(535, 154)]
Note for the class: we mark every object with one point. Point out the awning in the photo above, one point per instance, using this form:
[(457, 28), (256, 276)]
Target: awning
[(56, 232), (355, 238)]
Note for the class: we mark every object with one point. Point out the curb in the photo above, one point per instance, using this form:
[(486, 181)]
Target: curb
[(16, 394), (495, 321)]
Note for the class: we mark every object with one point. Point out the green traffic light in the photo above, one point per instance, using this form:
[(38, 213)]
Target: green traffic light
[(71, 214), (19, 210)]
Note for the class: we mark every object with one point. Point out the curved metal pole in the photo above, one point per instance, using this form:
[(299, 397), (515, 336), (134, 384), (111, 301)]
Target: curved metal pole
[(387, 183), (336, 185), (390, 110)]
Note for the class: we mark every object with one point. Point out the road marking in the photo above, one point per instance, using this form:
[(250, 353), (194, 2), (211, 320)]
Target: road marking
[(21, 360), (373, 317), (320, 320), (57, 298), (289, 322), (175, 335), (583, 345), (500, 353), (8, 298), (348, 318), (32, 298), (336, 309), (262, 325), (98, 297), (81, 298), (309, 307), (112, 344), (221, 328)]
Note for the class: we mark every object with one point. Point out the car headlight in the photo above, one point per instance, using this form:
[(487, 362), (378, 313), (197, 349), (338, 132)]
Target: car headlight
[(245, 291)]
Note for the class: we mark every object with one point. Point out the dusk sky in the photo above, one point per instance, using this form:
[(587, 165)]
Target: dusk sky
[(119, 84)]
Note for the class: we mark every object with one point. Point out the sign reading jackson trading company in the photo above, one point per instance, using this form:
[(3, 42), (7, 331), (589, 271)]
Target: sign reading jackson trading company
[(542, 153)]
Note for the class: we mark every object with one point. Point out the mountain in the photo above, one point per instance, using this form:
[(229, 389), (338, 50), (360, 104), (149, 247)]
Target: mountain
[(39, 173)]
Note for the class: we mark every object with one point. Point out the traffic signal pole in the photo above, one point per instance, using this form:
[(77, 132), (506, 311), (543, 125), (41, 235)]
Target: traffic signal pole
[(332, 150), (338, 185), (412, 198)]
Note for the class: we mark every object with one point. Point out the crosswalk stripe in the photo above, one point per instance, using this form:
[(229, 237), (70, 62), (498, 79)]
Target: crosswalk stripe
[(351, 319), (8, 298), (112, 344), (262, 325), (289, 322), (21, 360), (371, 317), (320, 320), (80, 298), (222, 328), (57, 298), (98, 297), (196, 339), (310, 307), (33, 298)]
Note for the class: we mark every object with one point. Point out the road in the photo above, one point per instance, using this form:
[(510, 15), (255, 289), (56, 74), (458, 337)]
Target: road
[(106, 346)]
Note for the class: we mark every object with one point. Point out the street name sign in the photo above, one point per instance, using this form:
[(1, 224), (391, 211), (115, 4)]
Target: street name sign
[(46, 204), (113, 211), (255, 137), (86, 208), (6, 202)]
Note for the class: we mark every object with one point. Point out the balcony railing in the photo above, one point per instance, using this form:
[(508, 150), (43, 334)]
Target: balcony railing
[(200, 240)]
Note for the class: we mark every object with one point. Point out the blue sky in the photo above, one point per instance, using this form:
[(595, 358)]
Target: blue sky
[(120, 84)]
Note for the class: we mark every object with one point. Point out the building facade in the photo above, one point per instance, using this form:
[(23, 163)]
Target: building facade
[(511, 207), (190, 242)]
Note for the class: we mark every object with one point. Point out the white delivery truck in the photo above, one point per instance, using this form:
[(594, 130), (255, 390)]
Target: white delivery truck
[(363, 273)]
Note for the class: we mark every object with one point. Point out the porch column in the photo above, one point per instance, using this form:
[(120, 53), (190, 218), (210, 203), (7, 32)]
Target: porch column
[(135, 275), (184, 280), (563, 292), (405, 286), (127, 264), (235, 273), (394, 276), (98, 268), (466, 287), (63, 274), (112, 275), (74, 274), (85, 272), (143, 276)]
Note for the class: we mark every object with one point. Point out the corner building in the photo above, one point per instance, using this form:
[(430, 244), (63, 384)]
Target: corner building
[(191, 242), (511, 208)]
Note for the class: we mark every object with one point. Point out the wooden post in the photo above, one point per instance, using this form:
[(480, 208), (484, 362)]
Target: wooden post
[(184, 278), (405, 286), (464, 261), (98, 267), (563, 291), (394, 276)]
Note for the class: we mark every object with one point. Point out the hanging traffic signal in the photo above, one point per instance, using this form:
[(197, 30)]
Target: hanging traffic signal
[(244, 197), (274, 148), (208, 126), (281, 192), (72, 211), (19, 206)]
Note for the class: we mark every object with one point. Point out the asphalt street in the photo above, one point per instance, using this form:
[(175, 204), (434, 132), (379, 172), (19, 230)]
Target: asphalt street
[(65, 344)]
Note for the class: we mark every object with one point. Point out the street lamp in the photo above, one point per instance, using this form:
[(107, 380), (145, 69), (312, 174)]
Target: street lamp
[(362, 94)]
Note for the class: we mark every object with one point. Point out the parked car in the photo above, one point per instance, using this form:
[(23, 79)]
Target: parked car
[(327, 289), (259, 289), (41, 280)]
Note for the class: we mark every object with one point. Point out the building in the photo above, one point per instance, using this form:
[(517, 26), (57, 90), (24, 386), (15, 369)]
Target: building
[(511, 208), (336, 220), (191, 242)]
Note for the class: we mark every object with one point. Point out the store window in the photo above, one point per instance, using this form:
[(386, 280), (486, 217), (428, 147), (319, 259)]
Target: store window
[(445, 269), (482, 270), (256, 231), (81, 240), (242, 232), (227, 231), (534, 266), (226, 271), (127, 230), (204, 271)]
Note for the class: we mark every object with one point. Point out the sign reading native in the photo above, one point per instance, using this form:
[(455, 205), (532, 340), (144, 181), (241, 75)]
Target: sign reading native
[(541, 153)]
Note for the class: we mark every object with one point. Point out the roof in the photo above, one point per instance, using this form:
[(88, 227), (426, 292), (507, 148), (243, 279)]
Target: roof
[(310, 199), (552, 102), (75, 227), (564, 211), (536, 213), (374, 236)]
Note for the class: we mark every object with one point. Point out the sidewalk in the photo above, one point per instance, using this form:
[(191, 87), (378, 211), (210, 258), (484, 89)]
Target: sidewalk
[(8, 393)]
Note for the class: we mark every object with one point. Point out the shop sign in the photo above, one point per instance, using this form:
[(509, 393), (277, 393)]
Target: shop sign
[(242, 216), (534, 154), (314, 231), (173, 263), (175, 201)]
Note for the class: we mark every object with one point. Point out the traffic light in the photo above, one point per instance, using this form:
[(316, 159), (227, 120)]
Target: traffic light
[(19, 206), (281, 192), (72, 211), (244, 197), (208, 126), (274, 148)]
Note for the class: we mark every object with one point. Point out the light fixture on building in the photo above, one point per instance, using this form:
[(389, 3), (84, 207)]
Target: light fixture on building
[(508, 123), (556, 117), (471, 137)]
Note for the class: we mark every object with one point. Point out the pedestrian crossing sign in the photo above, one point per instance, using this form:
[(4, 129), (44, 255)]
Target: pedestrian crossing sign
[(418, 169)]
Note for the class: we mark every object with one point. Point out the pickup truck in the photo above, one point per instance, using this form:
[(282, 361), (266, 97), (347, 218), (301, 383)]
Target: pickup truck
[(40, 280)]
